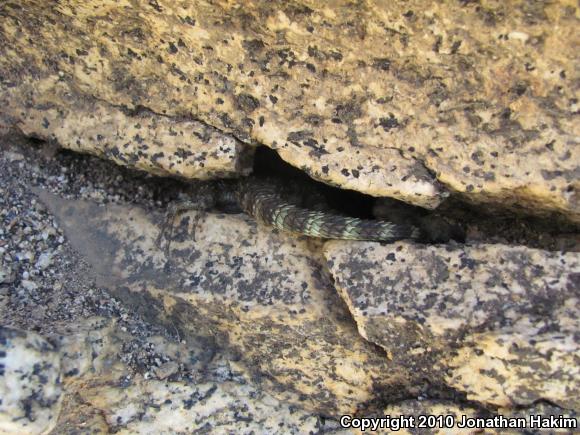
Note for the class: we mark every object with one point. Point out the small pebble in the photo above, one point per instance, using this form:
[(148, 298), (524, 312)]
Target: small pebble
[(6, 274), (28, 285), (44, 260), (25, 256), (165, 370), (13, 156)]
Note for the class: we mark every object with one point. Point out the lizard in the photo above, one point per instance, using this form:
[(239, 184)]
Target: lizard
[(274, 204)]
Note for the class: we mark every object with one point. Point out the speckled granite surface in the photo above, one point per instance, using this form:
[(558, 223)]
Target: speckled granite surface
[(259, 295), (235, 309), (393, 99), (80, 384), (496, 322)]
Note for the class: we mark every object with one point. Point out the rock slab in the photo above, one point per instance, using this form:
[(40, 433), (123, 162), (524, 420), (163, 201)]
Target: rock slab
[(387, 98), (499, 324)]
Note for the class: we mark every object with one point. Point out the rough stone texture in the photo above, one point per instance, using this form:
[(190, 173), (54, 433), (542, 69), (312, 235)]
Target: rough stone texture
[(152, 407), (139, 138), (259, 295), (30, 383), (499, 324), (382, 97), (98, 389), (109, 398), (100, 395)]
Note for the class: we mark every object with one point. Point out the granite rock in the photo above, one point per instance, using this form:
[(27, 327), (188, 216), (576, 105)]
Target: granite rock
[(388, 98), (498, 324), (229, 286), (30, 382), (81, 384)]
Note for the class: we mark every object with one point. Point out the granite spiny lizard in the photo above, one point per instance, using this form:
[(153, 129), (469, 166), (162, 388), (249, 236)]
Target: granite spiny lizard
[(270, 202)]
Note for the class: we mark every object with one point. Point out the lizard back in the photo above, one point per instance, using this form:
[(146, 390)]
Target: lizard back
[(265, 201)]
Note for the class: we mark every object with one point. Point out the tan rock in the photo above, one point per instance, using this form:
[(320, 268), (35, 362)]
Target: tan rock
[(498, 323), (399, 99), (99, 394), (138, 138), (151, 407), (102, 395), (229, 286)]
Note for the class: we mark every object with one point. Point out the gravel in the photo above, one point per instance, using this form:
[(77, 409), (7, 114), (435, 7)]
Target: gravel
[(44, 284)]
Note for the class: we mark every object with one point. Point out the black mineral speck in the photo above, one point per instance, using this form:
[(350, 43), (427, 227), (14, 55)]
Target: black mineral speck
[(298, 136), (310, 142), (348, 112), (455, 47), (389, 123), (519, 89), (437, 44), (467, 263), (505, 114), (155, 5), (189, 20), (382, 64), (477, 157), (550, 175), (253, 46), (314, 119), (172, 49), (247, 102), (336, 55)]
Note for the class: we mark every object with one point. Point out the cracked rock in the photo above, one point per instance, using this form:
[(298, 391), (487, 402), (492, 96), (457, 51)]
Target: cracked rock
[(498, 323), (388, 98)]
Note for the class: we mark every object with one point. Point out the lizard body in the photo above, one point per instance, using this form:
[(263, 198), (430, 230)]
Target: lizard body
[(271, 202), (263, 201)]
